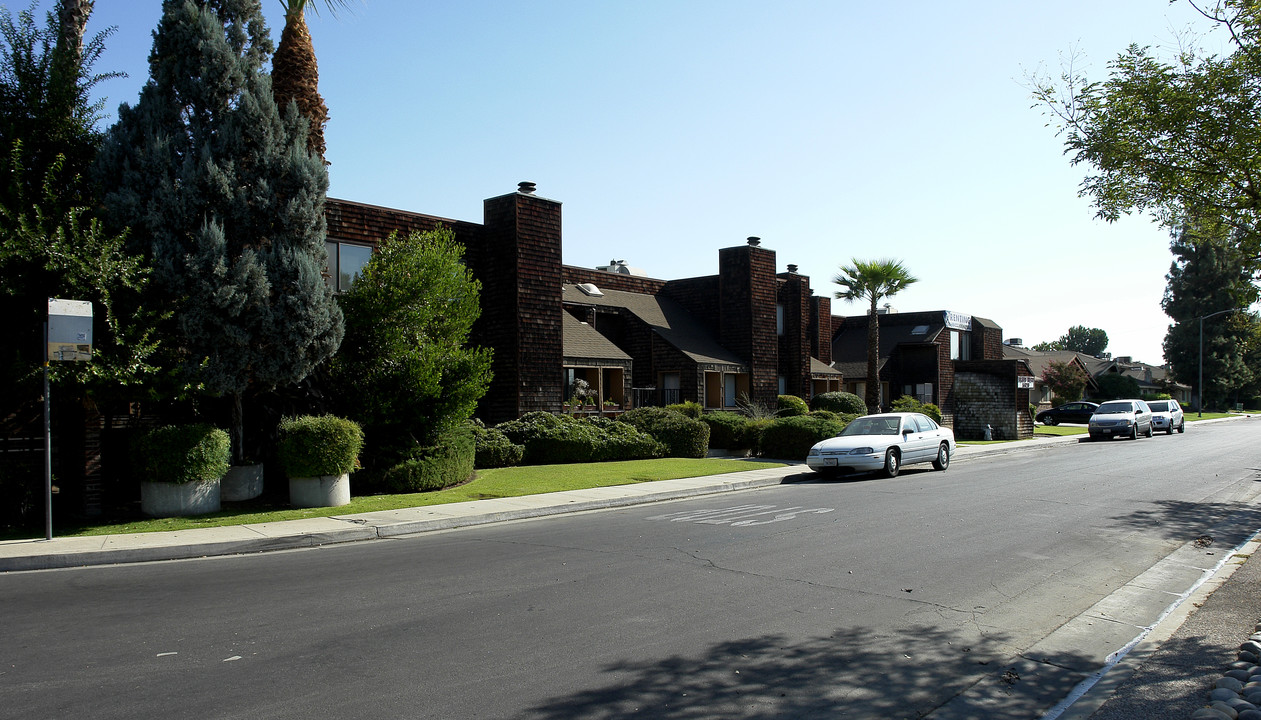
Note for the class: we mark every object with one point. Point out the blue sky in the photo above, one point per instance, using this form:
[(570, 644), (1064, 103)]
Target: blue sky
[(669, 129)]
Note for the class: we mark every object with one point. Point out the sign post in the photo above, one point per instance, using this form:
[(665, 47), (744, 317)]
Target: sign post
[(67, 338)]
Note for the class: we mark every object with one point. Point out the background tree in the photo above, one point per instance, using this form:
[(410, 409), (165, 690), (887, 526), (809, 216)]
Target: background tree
[(405, 370), (1066, 379), (296, 74), (1176, 138), (1116, 385), (50, 242), (873, 281), (225, 198), (1090, 341), (1209, 274)]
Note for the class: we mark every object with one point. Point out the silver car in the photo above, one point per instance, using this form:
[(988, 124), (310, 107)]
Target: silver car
[(884, 442), (1121, 418), (1167, 415)]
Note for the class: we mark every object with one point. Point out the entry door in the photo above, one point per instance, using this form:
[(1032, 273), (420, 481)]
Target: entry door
[(729, 390)]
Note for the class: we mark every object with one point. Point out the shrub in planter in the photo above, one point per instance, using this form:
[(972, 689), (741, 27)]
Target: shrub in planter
[(682, 435), (690, 409), (493, 449), (448, 462), (725, 429), (182, 453), (180, 467), (790, 438), (620, 441), (791, 406), (839, 402), (315, 445)]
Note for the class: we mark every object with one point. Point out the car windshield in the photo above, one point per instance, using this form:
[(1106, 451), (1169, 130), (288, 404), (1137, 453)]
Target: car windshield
[(1113, 408), (1159, 406), (872, 426)]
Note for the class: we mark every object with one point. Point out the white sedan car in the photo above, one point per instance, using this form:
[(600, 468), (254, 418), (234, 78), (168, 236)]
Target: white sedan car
[(884, 442)]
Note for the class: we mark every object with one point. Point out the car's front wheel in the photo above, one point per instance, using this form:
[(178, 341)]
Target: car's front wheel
[(1050, 420), (892, 462), (943, 457), (1134, 431)]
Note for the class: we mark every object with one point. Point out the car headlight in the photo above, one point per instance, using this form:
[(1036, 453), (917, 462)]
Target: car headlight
[(813, 451), (862, 451)]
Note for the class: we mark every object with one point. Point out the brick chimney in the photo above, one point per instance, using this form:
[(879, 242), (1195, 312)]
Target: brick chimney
[(747, 292)]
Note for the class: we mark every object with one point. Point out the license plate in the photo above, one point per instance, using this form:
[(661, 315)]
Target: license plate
[(829, 461)]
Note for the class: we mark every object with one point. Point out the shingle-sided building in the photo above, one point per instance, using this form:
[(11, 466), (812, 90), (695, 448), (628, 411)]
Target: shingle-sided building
[(746, 332), (950, 359)]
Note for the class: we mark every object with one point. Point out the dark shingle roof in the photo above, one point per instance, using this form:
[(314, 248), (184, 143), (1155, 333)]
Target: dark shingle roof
[(667, 318), (580, 340)]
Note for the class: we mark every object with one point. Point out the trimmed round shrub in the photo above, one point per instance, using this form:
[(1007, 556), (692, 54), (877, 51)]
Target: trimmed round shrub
[(725, 429), (906, 403), (315, 445), (690, 408), (825, 414), (182, 453), (839, 402), (682, 436), (621, 441), (443, 464), (549, 438), (791, 406), (791, 438), (751, 434), (493, 448)]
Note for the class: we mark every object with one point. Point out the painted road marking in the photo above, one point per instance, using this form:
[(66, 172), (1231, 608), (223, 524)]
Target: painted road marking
[(741, 515)]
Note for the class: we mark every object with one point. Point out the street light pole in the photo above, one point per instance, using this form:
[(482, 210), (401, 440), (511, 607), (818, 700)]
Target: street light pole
[(1202, 318)]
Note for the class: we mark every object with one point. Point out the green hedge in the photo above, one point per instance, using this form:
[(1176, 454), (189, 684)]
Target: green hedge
[(906, 403), (791, 438), (751, 434), (550, 439), (493, 448), (791, 406), (316, 445), (690, 408), (181, 453), (839, 402), (682, 436), (725, 429), (446, 463)]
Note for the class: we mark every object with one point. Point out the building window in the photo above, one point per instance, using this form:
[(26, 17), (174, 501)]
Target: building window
[(783, 385), (779, 319), (345, 262), (960, 345)]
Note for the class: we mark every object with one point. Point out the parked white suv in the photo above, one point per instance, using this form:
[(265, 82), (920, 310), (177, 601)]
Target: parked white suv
[(1167, 415), (1127, 418)]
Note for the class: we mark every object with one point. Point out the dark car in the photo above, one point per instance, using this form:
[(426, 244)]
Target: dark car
[(1074, 412)]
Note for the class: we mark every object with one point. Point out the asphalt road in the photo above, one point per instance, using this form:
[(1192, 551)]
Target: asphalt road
[(859, 598)]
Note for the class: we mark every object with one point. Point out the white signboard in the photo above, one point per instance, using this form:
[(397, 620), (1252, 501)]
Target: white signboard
[(957, 320), (1024, 382), (69, 330)]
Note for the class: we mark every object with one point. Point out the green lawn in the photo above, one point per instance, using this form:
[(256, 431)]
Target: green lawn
[(497, 483)]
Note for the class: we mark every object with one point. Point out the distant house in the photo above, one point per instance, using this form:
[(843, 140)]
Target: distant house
[(1152, 379), (951, 359)]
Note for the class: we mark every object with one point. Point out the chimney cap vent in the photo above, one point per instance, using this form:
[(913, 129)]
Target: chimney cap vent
[(526, 187), (754, 241)]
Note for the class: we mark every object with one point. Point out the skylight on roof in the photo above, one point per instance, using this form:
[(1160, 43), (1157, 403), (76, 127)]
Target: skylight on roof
[(919, 330), (590, 289)]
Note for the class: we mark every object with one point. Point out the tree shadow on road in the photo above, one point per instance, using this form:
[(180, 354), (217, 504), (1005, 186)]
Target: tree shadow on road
[(849, 673), (1216, 524)]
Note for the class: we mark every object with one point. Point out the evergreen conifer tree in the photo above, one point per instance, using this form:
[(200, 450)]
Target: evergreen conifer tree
[(224, 197)]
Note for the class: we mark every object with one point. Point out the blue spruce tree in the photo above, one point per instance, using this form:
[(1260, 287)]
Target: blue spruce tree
[(223, 196)]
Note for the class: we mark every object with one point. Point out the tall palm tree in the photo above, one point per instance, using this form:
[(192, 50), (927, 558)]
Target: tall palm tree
[(872, 280), (295, 76)]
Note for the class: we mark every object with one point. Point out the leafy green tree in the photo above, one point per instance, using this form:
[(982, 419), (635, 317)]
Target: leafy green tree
[(405, 369), (1091, 341), (1209, 275), (1116, 385), (50, 242), (872, 280), (1176, 137), (224, 197), (1066, 379)]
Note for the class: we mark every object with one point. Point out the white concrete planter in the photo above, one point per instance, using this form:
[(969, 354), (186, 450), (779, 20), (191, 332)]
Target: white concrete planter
[(243, 482), (321, 491), (166, 499)]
